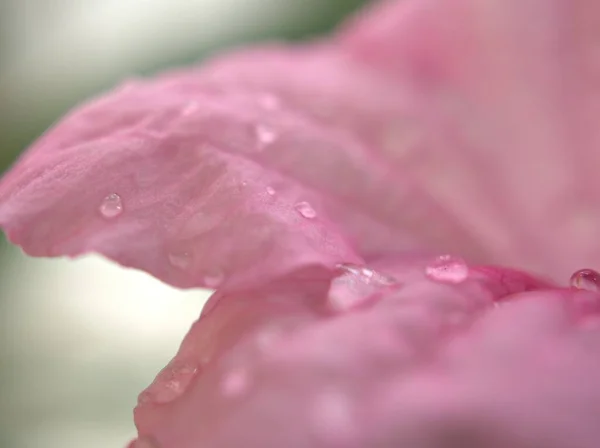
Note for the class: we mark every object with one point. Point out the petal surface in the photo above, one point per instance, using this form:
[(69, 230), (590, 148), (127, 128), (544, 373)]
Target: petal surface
[(424, 364), (512, 88), (249, 167), (466, 126)]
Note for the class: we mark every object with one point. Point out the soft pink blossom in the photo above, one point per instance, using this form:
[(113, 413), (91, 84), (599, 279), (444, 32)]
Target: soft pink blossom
[(318, 189)]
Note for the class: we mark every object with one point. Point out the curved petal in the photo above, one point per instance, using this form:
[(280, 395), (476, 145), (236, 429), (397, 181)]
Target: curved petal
[(512, 87), (252, 166), (425, 363)]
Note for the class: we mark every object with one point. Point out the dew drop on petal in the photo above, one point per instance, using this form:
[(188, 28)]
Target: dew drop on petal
[(214, 279), (447, 269), (352, 268), (306, 210), (180, 260), (111, 206), (355, 286), (586, 279), (270, 191), (265, 135), (234, 383)]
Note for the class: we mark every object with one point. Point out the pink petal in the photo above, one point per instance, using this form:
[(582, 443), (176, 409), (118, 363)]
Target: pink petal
[(512, 88), (426, 363), (436, 125), (259, 163)]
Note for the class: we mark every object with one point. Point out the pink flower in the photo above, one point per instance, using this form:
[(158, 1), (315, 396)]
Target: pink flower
[(318, 188)]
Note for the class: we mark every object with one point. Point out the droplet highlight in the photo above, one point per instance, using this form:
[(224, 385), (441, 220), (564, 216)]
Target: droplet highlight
[(306, 210), (270, 191), (111, 206), (586, 279), (355, 287), (447, 269), (369, 275)]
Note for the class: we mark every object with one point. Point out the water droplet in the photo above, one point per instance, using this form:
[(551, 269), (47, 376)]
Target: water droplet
[(169, 384), (351, 268), (270, 191), (447, 269), (306, 210), (267, 339), (355, 286), (214, 279), (112, 206), (586, 279), (265, 135), (180, 260), (369, 275), (234, 383)]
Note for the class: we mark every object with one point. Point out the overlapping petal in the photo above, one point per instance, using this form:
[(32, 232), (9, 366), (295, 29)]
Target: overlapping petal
[(513, 86), (427, 365), (248, 168), (466, 126)]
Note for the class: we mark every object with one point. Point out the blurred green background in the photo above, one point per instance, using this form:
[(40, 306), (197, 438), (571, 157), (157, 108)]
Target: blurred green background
[(81, 339)]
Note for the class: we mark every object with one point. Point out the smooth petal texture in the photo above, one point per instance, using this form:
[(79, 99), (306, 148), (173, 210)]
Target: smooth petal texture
[(222, 182), (463, 126), (426, 365), (512, 88)]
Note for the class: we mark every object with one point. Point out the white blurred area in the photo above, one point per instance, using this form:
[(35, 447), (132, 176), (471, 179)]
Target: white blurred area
[(80, 339), (56, 50)]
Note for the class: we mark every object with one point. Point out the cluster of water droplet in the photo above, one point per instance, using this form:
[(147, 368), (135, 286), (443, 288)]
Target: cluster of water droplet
[(112, 206)]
